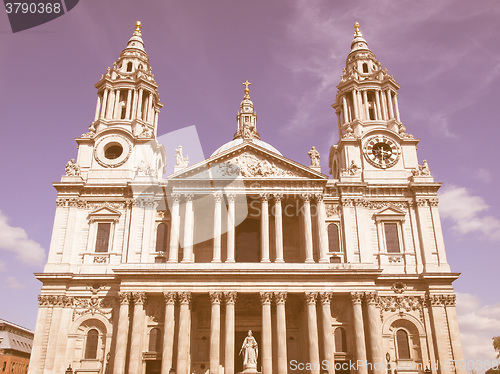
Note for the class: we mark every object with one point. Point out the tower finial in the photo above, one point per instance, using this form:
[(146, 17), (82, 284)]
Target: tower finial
[(357, 31), (138, 28), (246, 84)]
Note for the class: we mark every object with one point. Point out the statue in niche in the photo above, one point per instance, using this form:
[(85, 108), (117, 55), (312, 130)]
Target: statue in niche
[(72, 169), (314, 155), (180, 160), (250, 352)]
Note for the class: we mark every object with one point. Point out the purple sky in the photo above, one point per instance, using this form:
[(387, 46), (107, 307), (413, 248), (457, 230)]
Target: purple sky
[(444, 54)]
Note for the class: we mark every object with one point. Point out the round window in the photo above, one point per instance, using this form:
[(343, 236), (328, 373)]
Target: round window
[(113, 151)]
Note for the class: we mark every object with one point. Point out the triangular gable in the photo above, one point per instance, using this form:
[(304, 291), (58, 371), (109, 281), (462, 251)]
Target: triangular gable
[(104, 213), (248, 160), (389, 213)]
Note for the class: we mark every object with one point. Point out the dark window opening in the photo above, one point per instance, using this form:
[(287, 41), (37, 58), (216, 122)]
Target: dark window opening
[(91, 344), (113, 151), (162, 238), (102, 240), (391, 237), (340, 340), (403, 345), (365, 68), (333, 238), (155, 340), (247, 243), (129, 67)]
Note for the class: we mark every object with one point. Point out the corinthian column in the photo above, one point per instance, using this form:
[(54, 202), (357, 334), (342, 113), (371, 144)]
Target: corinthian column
[(280, 298), (308, 228), (264, 227), (267, 347), (278, 227), (122, 334), (326, 318), (168, 333), (217, 228), (135, 360), (230, 228), (184, 333), (230, 298), (375, 330), (215, 332), (359, 332), (188, 229), (312, 327), (323, 235), (174, 235)]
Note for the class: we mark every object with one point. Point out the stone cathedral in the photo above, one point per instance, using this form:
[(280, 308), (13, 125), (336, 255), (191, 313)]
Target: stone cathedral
[(247, 262)]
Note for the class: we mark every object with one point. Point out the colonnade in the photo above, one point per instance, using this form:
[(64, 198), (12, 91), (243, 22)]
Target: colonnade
[(271, 336), (139, 104), (266, 199), (356, 105)]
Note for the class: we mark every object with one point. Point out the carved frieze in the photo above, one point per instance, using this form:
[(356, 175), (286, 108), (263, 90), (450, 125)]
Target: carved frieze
[(92, 305), (332, 210), (250, 166)]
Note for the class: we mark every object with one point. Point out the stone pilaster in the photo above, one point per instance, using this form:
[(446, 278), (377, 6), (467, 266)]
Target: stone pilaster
[(359, 331), (267, 354), (138, 323), (122, 333), (312, 330), (215, 299), (375, 331), (280, 298), (230, 298), (326, 317), (183, 364), (168, 333)]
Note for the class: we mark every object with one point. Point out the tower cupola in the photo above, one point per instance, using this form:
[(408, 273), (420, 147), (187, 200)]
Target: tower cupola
[(246, 117)]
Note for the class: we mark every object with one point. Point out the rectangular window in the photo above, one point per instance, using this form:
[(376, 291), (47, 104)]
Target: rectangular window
[(391, 237), (102, 240)]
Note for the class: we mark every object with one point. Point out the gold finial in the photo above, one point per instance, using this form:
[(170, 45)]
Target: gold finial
[(138, 28), (246, 84), (357, 31)]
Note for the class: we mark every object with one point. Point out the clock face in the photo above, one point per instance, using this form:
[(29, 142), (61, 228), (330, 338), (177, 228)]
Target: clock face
[(381, 152)]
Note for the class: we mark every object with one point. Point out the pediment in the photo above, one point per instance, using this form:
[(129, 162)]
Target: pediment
[(248, 160), (104, 213), (389, 213)]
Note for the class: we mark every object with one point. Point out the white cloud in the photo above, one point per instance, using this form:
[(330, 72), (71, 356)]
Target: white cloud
[(13, 283), (15, 239), (467, 213), (478, 324)]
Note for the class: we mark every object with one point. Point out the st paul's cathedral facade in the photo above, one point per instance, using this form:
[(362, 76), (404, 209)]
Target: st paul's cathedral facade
[(248, 261)]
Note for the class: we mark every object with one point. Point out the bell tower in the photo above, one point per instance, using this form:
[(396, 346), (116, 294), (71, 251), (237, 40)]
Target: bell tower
[(373, 143), (121, 142)]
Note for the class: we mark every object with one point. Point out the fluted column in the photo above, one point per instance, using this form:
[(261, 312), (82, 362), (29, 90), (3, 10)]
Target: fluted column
[(188, 229), (139, 104), (184, 333), (359, 331), (355, 104), (360, 105), (135, 359), (312, 329), (134, 104), (389, 104), (104, 103), (346, 110), (366, 106), (323, 234), (230, 228), (110, 104), (117, 104), (216, 257), (326, 318), (264, 228), (375, 330), (278, 227), (149, 118), (377, 101), (396, 108), (175, 227), (129, 104), (97, 108), (280, 298), (230, 298), (215, 332), (267, 347), (168, 333), (122, 334), (308, 228)]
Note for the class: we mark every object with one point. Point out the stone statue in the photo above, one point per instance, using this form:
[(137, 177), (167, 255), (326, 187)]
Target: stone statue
[(180, 160), (422, 170), (250, 352), (314, 155), (72, 169)]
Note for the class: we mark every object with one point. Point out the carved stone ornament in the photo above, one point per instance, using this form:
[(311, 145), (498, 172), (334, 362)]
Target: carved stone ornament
[(170, 297), (332, 210), (385, 204), (92, 305), (326, 297), (352, 170), (395, 259), (356, 297), (139, 297), (280, 297), (250, 166), (441, 300), (100, 259), (124, 297), (230, 297), (400, 303), (315, 156), (266, 297), (184, 297), (72, 169), (144, 169), (311, 297), (215, 297), (55, 300), (422, 170), (399, 287)]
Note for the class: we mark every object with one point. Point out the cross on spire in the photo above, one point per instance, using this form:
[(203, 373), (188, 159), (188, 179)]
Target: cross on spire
[(246, 84), (138, 27)]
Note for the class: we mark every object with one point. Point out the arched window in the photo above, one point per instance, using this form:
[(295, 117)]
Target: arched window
[(129, 66), (162, 237), (333, 238), (365, 68), (155, 340), (403, 345), (91, 344), (340, 340)]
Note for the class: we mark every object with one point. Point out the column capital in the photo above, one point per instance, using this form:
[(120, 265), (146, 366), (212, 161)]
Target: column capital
[(326, 297), (176, 197), (218, 197), (356, 297), (280, 297), (230, 297), (169, 297), (311, 297), (264, 197), (266, 297), (278, 197), (215, 297), (231, 197), (124, 297), (184, 297), (139, 297), (319, 197), (188, 196), (306, 197), (371, 298)]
